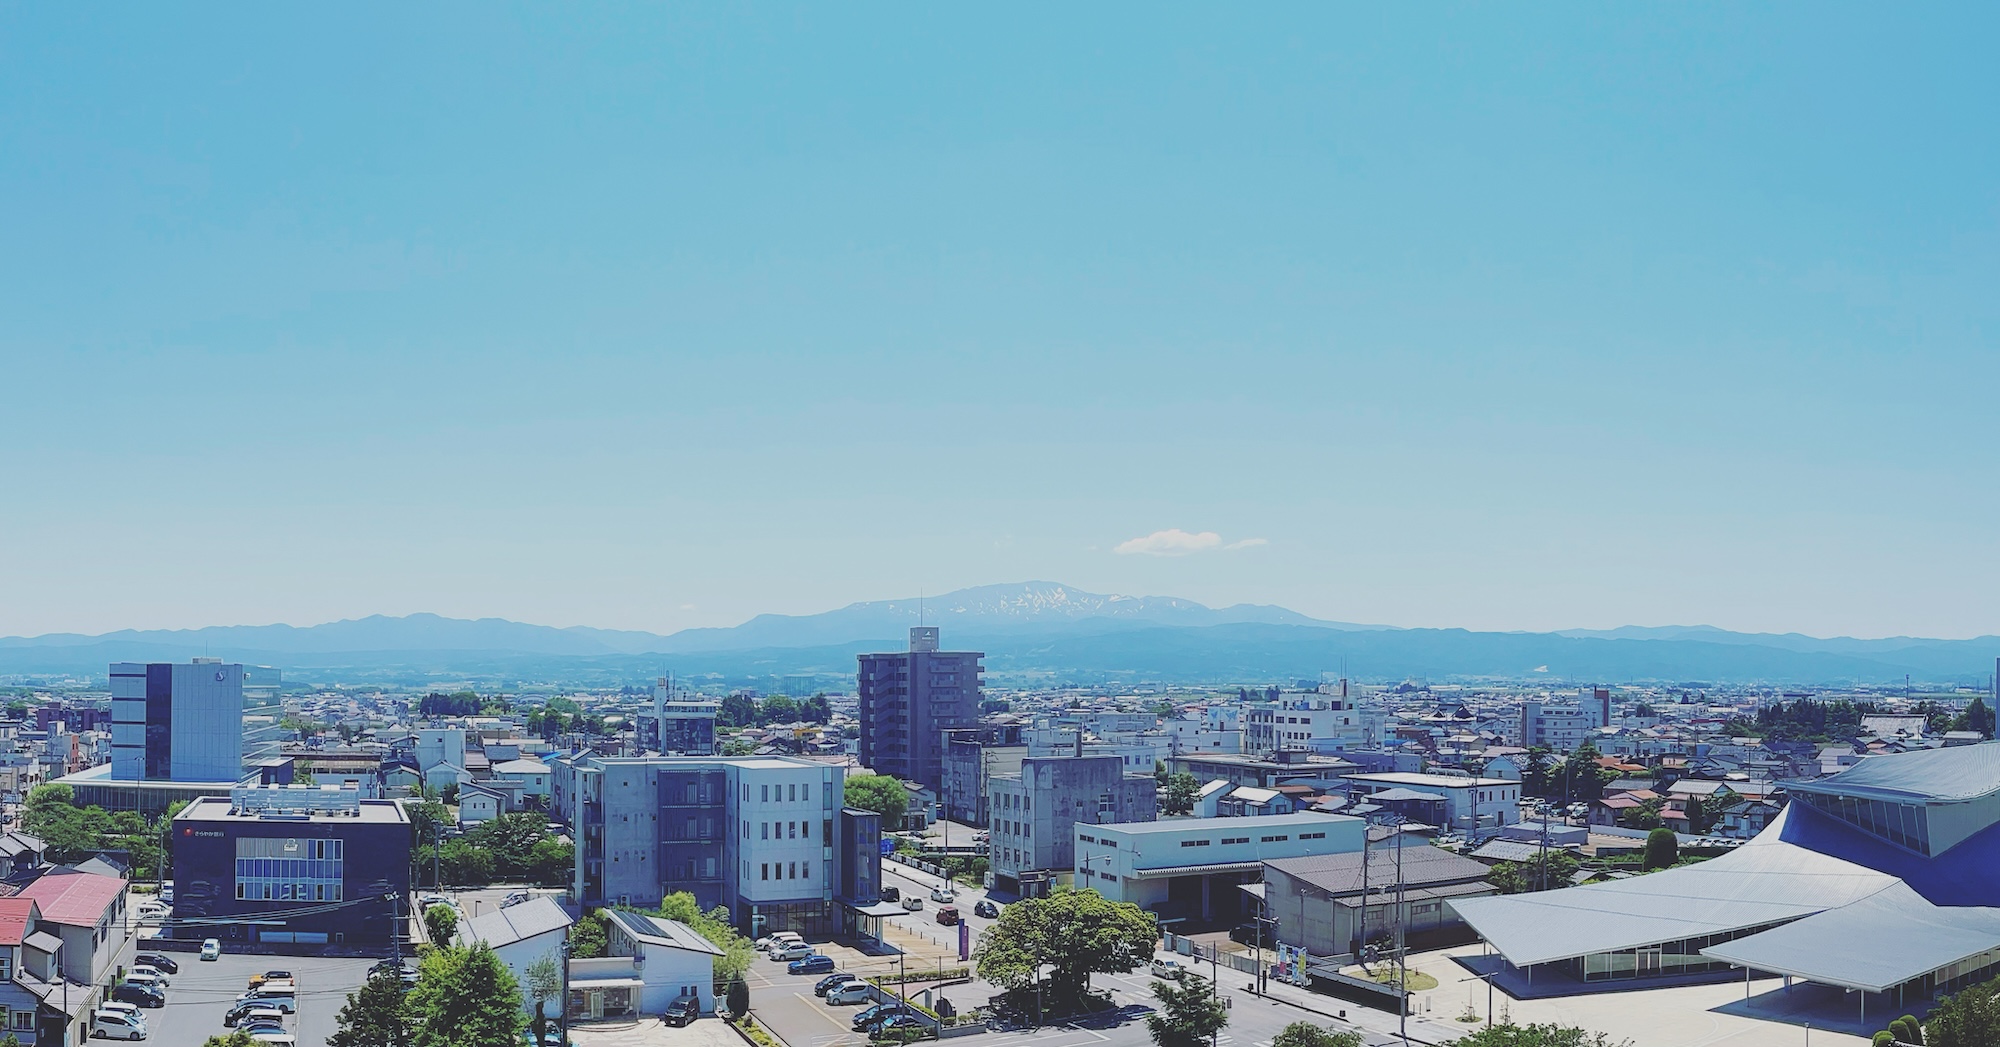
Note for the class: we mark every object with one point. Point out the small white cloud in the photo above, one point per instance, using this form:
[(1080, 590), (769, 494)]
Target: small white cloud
[(687, 607), (1170, 542), (1247, 543)]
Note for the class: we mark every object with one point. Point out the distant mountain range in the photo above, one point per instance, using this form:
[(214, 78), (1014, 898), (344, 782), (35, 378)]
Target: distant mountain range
[(1036, 630)]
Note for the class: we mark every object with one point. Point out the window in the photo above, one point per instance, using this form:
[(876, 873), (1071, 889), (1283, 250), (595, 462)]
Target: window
[(795, 791), (24, 1021), (1227, 840), (766, 827), (766, 793), (1276, 839), (767, 870), (794, 827), (794, 867), (1081, 838), (1194, 843), (1312, 836)]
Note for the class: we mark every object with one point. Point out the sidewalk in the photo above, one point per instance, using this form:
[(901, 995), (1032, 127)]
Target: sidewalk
[(1421, 1029)]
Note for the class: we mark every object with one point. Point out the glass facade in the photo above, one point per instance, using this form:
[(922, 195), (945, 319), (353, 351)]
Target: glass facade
[(1649, 961), (1904, 824), (272, 869)]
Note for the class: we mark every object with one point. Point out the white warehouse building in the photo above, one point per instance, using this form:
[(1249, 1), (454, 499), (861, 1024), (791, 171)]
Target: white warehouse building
[(1191, 867)]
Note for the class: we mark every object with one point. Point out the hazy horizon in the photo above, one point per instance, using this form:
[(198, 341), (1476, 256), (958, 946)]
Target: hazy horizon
[(1516, 319)]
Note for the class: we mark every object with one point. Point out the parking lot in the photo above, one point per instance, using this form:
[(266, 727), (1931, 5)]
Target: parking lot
[(201, 992)]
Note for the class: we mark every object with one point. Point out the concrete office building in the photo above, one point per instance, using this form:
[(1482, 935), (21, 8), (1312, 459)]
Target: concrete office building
[(969, 759), (291, 865), (1565, 726), (908, 699), (1034, 814), (1191, 867), (759, 835), (206, 721), (1449, 802), (1296, 719), (683, 725)]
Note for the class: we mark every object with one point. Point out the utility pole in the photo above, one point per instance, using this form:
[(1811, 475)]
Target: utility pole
[(1402, 969), (562, 1012), (1361, 929)]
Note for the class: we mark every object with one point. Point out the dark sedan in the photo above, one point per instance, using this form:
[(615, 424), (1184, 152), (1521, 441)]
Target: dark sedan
[(814, 964), (826, 984), (986, 910), (160, 962)]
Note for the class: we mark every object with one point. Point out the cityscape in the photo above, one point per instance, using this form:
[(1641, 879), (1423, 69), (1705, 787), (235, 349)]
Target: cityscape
[(773, 525)]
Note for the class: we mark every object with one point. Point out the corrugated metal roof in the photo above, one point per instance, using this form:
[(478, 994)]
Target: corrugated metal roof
[(516, 923), (1763, 882), (1881, 941), (14, 916), (75, 899), (1957, 773)]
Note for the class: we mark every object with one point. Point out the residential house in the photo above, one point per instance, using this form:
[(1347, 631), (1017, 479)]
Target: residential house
[(667, 957), (480, 803), (521, 935)]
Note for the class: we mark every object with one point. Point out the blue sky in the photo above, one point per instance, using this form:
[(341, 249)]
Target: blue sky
[(1493, 316)]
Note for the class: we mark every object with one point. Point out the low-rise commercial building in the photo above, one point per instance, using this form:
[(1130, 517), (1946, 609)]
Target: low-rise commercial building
[(1334, 904), (1032, 842), (1191, 867), (1462, 803), (293, 864)]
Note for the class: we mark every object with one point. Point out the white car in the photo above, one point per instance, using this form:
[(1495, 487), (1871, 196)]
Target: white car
[(913, 902), (791, 951), (211, 949), (123, 1008), (776, 937), (852, 992), (1168, 969), (155, 973), (113, 1025), (943, 894)]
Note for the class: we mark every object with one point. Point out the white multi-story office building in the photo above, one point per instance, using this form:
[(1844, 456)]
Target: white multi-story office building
[(1565, 726), (205, 721), (1293, 721)]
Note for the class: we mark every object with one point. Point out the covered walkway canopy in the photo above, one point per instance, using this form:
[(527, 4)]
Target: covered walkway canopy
[(1763, 883), (1890, 938)]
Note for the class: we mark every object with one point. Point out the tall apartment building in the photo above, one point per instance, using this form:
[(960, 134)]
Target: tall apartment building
[(1565, 726), (907, 701), (205, 721), (1032, 815), (766, 836)]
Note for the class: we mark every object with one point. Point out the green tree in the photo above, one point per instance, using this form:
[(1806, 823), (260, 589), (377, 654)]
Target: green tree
[(551, 862), (1179, 795), (465, 997), (233, 1038), (1662, 849), (544, 978), (373, 1015), (1189, 1015), (1969, 1018), (737, 710), (1077, 932), (466, 864), (880, 793), (442, 922), (1907, 1030), (1976, 717), (590, 936), (739, 997), (1306, 1034), (1884, 1038), (737, 747), (1536, 874), (1537, 1036)]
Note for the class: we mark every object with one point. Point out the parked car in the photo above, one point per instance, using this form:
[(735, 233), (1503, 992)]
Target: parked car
[(261, 1026), (514, 898), (868, 1016), (252, 1011), (850, 992), (148, 978), (275, 1037), (150, 971), (683, 1010), (913, 902), (790, 951), (813, 964), (899, 1022), (160, 961), (827, 984), (775, 937), (892, 894), (122, 1008), (115, 1026), (139, 995), (284, 998), (985, 909), (270, 976), (167, 893), (1168, 969), (942, 894), (429, 900), (211, 949), (947, 915)]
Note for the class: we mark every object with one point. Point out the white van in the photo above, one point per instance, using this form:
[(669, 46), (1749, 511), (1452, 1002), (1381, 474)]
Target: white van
[(113, 1025), (147, 977)]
